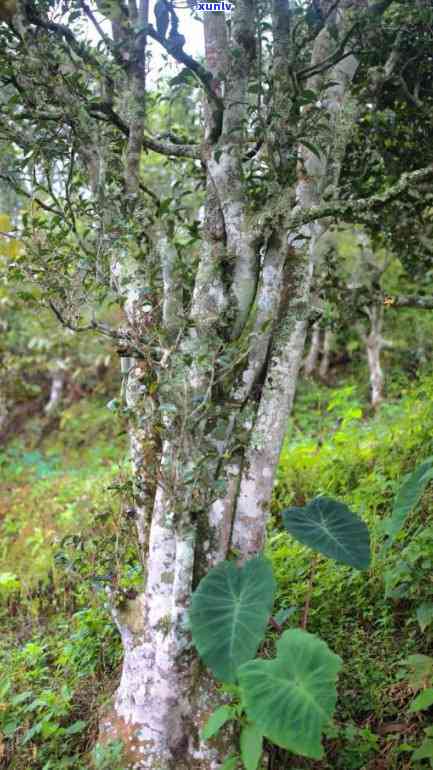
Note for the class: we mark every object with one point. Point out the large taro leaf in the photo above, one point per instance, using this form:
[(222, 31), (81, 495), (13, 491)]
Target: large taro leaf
[(330, 528), (292, 698), (407, 499), (229, 613)]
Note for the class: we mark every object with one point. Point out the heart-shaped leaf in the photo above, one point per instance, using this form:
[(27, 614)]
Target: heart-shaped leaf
[(293, 697), (229, 613), (331, 528), (408, 497)]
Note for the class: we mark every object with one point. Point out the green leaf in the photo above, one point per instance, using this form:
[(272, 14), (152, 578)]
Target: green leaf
[(308, 95), (76, 727), (312, 147), (21, 697), (284, 614), (216, 721), (73, 16), (407, 499), (251, 742), (422, 701), (229, 613), (422, 670), (425, 751), (49, 728), (331, 528), (185, 76), (35, 730), (424, 615), (230, 763), (292, 698)]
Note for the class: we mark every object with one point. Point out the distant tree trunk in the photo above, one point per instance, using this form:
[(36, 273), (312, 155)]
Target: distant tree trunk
[(312, 358), (56, 391), (328, 340), (375, 343)]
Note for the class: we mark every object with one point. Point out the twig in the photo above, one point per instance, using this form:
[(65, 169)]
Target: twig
[(24, 192), (149, 143), (104, 329)]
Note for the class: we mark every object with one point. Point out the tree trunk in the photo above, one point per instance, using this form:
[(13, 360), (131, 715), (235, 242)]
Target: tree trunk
[(312, 358), (164, 695), (328, 340)]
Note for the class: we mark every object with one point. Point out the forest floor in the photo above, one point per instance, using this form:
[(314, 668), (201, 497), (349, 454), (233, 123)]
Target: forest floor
[(64, 535)]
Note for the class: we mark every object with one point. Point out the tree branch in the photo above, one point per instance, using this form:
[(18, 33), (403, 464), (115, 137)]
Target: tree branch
[(180, 150), (331, 60), (119, 335), (21, 191), (354, 210), (64, 32), (414, 300), (91, 16), (149, 143), (203, 75)]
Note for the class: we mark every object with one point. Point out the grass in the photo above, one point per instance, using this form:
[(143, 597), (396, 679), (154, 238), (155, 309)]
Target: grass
[(61, 528)]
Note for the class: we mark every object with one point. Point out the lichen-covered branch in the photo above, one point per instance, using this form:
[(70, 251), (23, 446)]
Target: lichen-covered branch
[(362, 209)]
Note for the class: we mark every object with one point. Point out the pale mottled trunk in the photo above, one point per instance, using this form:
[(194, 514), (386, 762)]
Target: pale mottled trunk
[(164, 696), (262, 454), (266, 441), (312, 358), (374, 345), (328, 340), (56, 392)]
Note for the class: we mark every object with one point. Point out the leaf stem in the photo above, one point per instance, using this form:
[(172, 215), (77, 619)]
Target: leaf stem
[(309, 592)]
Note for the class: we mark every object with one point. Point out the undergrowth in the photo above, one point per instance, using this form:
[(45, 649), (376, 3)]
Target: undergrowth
[(66, 538)]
